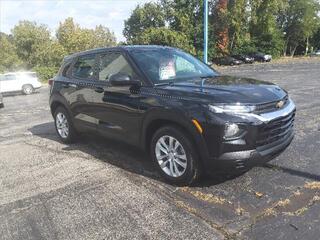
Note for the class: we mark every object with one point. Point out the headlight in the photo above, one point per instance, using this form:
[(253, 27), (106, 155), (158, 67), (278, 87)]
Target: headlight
[(231, 130), (231, 108)]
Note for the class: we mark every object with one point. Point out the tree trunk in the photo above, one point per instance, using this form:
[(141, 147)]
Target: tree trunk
[(307, 47), (232, 41), (293, 51), (285, 48)]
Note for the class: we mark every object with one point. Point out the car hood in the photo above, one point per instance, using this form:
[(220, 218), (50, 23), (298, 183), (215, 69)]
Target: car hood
[(226, 89)]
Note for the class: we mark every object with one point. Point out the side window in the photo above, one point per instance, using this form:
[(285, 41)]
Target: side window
[(113, 63), (182, 65), (10, 77), (84, 67)]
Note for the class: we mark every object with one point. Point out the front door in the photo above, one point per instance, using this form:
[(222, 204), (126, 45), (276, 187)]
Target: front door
[(116, 107)]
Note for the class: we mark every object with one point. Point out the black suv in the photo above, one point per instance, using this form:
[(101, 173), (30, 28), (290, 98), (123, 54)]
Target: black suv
[(163, 100)]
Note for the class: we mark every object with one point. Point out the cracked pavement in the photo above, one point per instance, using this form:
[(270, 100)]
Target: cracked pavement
[(101, 189)]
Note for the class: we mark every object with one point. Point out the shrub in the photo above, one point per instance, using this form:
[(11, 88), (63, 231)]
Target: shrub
[(45, 73)]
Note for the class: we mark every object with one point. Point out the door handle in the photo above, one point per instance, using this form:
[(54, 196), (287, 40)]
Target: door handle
[(67, 85), (99, 90)]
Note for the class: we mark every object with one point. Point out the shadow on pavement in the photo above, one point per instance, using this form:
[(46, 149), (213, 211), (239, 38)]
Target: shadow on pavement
[(120, 155), (294, 172), (17, 93)]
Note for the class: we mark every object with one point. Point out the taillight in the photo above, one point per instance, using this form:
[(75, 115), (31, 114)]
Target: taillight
[(50, 82)]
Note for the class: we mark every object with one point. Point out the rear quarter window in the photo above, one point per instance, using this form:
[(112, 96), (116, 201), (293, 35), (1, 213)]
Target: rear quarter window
[(84, 67)]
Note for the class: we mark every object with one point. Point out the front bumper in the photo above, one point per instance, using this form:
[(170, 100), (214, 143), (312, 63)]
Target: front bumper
[(267, 135), (244, 160)]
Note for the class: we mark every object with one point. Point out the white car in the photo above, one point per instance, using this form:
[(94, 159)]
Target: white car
[(315, 54), (26, 82)]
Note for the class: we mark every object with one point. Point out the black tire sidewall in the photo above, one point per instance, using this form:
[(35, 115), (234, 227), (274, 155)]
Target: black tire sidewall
[(71, 135), (192, 172)]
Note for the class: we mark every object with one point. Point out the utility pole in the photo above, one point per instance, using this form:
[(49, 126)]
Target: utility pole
[(205, 31)]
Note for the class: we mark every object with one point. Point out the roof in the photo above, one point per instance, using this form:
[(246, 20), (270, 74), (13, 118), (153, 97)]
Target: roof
[(122, 47), (22, 72)]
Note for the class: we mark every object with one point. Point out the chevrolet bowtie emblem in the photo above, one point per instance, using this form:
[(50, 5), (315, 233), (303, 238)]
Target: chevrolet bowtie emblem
[(280, 104)]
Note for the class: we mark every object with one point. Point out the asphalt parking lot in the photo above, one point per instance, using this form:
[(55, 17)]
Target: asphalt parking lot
[(101, 189)]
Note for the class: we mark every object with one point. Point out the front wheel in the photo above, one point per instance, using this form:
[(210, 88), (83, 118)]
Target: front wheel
[(174, 156)]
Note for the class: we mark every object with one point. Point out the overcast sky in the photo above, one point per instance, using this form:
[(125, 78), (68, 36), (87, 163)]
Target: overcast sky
[(88, 13)]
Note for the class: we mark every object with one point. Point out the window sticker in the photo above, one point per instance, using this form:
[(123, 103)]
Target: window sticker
[(167, 69)]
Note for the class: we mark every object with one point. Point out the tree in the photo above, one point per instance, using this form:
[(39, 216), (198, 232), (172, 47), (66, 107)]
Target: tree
[(238, 22), (73, 38), (49, 54), (165, 36), (9, 59), (103, 37), (221, 26), (150, 15), (27, 37), (186, 16), (299, 22), (264, 30)]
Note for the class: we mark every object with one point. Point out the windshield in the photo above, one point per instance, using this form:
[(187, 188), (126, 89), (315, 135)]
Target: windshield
[(170, 65)]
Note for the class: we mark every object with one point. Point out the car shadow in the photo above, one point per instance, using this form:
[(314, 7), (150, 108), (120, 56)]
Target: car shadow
[(120, 154), (18, 93)]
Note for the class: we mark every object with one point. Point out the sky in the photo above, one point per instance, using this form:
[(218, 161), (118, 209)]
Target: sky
[(88, 13)]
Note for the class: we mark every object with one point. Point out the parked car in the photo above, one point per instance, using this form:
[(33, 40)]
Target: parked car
[(230, 61), (244, 58), (315, 54), (183, 113), (261, 57), (26, 82), (1, 101)]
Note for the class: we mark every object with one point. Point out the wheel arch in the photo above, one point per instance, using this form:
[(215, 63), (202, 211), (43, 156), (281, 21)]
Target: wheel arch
[(56, 101), (152, 124)]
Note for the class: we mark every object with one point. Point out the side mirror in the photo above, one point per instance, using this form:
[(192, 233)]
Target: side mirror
[(122, 79)]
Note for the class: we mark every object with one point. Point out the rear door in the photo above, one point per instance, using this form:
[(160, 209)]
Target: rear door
[(78, 88)]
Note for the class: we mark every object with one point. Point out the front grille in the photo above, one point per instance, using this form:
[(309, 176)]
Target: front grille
[(275, 130), (270, 107)]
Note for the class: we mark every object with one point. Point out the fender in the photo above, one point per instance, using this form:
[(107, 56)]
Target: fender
[(56, 98), (175, 116)]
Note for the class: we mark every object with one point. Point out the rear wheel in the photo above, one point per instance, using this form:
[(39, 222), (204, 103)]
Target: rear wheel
[(64, 125), (174, 156), (27, 89)]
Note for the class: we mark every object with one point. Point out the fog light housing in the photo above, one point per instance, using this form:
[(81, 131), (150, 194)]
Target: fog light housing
[(231, 130)]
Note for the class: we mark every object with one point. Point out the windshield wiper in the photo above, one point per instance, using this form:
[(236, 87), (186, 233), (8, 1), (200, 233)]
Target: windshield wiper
[(208, 76)]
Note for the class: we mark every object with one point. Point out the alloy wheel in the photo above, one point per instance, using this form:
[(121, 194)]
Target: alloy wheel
[(62, 125), (171, 156)]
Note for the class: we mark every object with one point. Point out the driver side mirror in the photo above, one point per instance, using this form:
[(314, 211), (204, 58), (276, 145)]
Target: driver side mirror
[(122, 79)]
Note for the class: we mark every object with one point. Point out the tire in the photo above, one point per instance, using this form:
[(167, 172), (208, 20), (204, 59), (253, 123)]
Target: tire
[(178, 171), (64, 125), (27, 89)]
